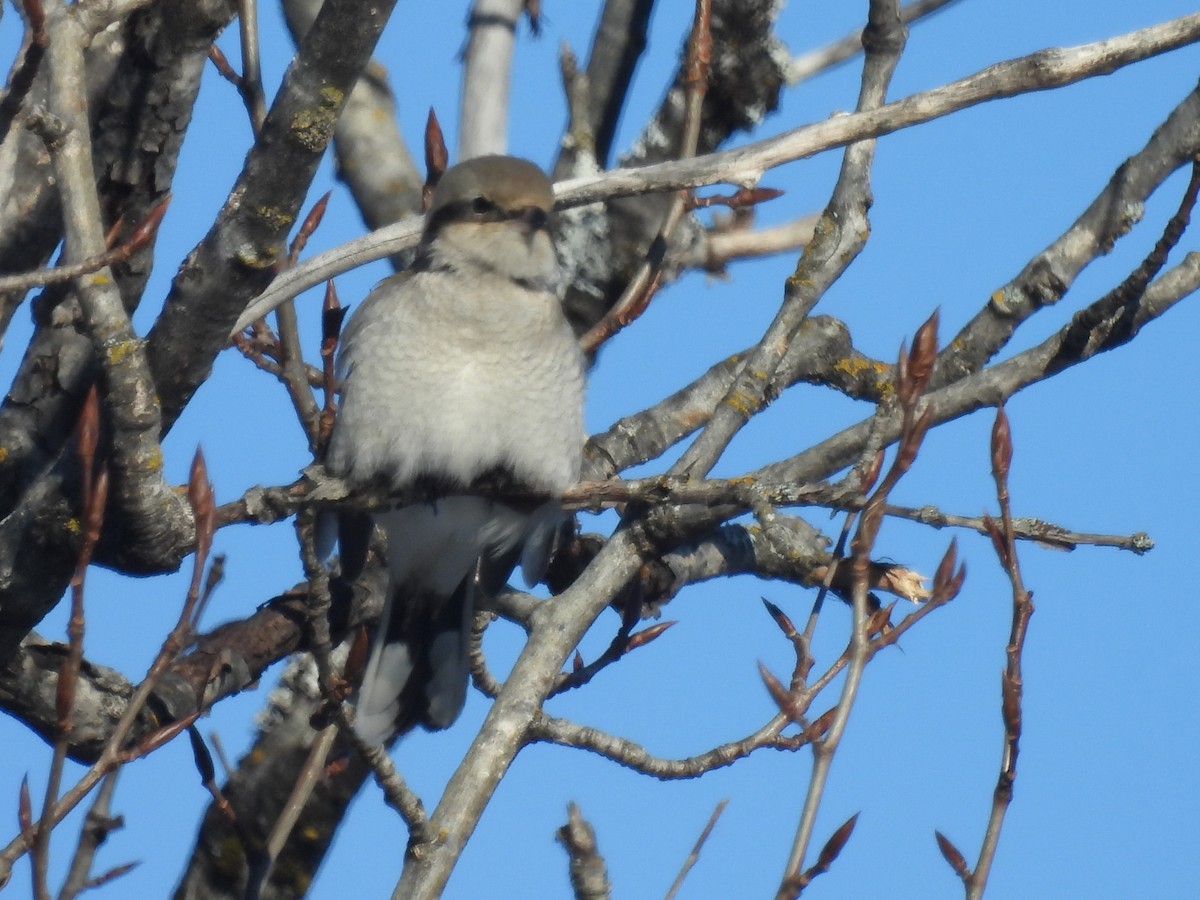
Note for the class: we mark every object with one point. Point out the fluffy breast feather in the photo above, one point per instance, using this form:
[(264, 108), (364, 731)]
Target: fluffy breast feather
[(451, 377)]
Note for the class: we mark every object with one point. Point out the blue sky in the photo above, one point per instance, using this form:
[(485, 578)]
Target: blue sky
[(1107, 785)]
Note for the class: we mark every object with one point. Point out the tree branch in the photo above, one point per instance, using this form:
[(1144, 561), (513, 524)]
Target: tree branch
[(1044, 70)]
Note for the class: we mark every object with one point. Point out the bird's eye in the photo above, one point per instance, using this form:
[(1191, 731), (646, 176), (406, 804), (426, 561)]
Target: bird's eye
[(482, 206)]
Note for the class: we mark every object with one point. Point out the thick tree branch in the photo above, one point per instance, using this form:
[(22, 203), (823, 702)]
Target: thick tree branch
[(238, 256), (487, 71), (1044, 70), (993, 385)]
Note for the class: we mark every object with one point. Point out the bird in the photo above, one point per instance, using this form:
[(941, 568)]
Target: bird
[(457, 375)]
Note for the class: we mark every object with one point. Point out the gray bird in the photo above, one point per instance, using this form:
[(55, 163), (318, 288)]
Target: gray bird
[(461, 371)]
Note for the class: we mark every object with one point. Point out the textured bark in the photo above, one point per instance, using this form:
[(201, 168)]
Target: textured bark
[(747, 74)]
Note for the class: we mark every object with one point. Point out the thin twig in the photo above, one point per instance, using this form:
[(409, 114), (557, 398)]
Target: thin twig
[(96, 828), (634, 756), (310, 773), (694, 856), (1012, 681), (141, 237), (250, 84), (641, 287), (1043, 70), (806, 65), (270, 504), (115, 753), (912, 375)]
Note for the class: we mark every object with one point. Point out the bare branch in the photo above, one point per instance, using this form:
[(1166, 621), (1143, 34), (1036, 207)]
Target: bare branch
[(1044, 70), (694, 856), (589, 874), (806, 65), (1012, 680), (633, 756), (487, 69), (845, 219)]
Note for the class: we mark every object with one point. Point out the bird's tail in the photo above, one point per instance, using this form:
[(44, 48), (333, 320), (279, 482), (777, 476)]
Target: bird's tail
[(418, 670)]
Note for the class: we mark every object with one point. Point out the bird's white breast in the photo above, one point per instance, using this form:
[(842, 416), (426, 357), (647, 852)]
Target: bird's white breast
[(452, 377)]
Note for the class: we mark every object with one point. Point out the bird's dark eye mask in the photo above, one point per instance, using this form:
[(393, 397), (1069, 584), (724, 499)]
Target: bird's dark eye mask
[(481, 209)]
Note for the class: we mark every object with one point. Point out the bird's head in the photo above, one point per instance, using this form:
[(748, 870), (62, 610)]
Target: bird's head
[(492, 214)]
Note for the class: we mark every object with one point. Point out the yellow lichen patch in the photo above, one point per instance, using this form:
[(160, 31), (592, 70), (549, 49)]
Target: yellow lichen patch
[(119, 351), (251, 258), (275, 217), (73, 526), (852, 366), (3, 454), (796, 281), (155, 460), (743, 403), (101, 278), (313, 127)]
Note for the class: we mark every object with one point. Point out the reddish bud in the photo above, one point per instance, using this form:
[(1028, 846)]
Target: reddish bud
[(950, 853), (699, 54), (436, 156), (88, 430), (754, 196), (310, 224), (333, 314), (999, 544), (957, 583), (145, 230), (111, 875), (1001, 444), (944, 576), (784, 699), (24, 806), (646, 635), (93, 515), (222, 63), (781, 619), (872, 474), (923, 355), (880, 621), (577, 662), (820, 725), (835, 844), (743, 198), (911, 438), (200, 497)]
